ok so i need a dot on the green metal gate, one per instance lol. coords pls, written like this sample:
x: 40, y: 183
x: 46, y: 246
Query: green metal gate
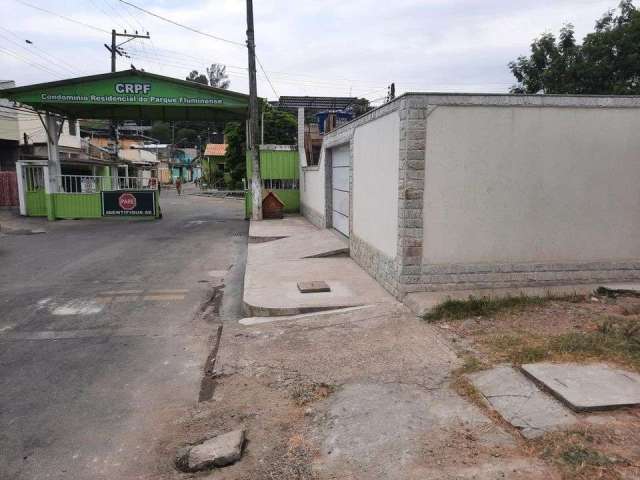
x: 35, y: 196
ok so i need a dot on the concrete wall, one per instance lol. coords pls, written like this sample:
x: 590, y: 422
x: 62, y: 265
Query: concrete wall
x: 513, y: 191
x: 312, y: 192
x: 456, y: 191
x: 375, y: 183
x: 519, y: 184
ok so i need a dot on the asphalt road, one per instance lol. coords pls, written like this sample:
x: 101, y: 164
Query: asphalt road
x: 102, y: 337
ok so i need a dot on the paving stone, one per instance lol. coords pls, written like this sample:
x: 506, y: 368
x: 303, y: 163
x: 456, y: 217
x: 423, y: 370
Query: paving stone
x: 520, y: 402
x: 313, y: 287
x: 587, y: 387
x: 218, y: 451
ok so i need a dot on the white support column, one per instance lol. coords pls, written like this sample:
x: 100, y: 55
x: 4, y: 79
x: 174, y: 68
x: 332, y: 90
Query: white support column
x: 53, y: 133
x: 114, y: 176
x: 46, y: 173
x: 301, y: 150
x: 20, y: 178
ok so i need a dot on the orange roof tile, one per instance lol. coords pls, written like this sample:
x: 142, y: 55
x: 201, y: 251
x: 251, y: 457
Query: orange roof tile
x: 215, y: 150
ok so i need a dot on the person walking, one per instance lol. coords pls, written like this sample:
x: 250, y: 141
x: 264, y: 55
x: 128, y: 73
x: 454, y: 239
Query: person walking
x: 179, y: 185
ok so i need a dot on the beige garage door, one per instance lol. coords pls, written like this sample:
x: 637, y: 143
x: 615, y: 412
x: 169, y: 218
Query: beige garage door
x: 340, y: 164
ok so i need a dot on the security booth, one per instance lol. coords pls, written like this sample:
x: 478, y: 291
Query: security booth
x: 127, y: 95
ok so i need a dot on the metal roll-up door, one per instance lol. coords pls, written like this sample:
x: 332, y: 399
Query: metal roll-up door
x: 340, y: 195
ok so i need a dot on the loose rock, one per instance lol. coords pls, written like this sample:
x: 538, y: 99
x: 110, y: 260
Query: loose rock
x: 218, y: 451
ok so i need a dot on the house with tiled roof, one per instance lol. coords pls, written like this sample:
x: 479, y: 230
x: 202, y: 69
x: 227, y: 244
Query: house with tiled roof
x: 214, y: 155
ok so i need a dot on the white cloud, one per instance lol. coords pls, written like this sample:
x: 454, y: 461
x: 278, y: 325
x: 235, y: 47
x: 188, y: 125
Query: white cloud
x: 336, y: 48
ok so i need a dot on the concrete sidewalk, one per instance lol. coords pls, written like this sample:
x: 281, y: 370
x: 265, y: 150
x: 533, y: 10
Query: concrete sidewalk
x: 12, y: 223
x: 284, y: 252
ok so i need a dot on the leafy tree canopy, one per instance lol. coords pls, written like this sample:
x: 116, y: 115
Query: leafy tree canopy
x: 280, y: 128
x: 607, y: 62
x: 161, y: 132
x: 218, y: 77
x: 197, y: 77
x: 235, y: 156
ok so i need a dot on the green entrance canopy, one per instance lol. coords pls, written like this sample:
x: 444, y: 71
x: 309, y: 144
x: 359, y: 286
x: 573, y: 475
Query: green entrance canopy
x: 132, y: 95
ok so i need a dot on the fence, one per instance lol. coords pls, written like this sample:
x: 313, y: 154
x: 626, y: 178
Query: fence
x: 8, y: 189
x: 95, y: 184
x: 75, y: 196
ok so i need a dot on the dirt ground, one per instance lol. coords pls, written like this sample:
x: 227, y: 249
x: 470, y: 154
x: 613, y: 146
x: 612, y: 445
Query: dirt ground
x: 377, y: 394
x: 603, y: 445
x: 358, y: 395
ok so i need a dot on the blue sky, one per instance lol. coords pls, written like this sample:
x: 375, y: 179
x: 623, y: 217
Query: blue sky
x: 333, y: 47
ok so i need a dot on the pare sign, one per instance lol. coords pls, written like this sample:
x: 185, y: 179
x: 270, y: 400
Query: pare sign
x: 136, y: 88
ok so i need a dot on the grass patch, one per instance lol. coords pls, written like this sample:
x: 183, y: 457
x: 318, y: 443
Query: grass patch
x: 471, y: 364
x: 304, y: 393
x: 578, y: 456
x: 615, y: 338
x: 486, y: 306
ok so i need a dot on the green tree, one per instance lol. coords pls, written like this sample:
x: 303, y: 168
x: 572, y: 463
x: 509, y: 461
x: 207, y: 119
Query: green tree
x: 361, y: 106
x: 197, y: 77
x: 280, y: 128
x: 607, y: 62
x: 186, y: 136
x: 236, y: 153
x: 161, y: 131
x: 218, y: 77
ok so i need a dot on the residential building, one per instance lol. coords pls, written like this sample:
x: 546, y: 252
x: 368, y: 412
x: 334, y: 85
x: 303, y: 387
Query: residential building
x: 214, y: 156
x: 9, y: 132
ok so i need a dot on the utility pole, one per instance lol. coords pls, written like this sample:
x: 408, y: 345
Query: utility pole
x: 115, y: 49
x: 256, y: 179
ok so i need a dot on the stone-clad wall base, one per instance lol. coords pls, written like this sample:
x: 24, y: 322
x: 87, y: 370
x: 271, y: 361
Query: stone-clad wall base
x: 384, y: 269
x: 433, y: 278
x: 314, y: 217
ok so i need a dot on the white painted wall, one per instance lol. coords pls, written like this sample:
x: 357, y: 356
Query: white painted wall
x: 376, y: 151
x: 8, y: 116
x: 528, y: 184
x: 312, y: 184
x: 30, y: 124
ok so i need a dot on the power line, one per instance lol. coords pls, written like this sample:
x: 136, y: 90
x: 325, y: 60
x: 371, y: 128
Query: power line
x: 35, y: 65
x: 267, y: 77
x: 92, y: 27
x: 45, y: 56
x: 168, y: 20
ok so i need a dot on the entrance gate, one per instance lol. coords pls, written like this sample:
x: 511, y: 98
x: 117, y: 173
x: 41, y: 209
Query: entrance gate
x: 34, y: 185
x: 124, y: 95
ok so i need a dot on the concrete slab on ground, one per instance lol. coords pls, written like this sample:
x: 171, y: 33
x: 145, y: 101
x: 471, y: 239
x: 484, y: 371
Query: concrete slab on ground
x: 422, y: 303
x: 379, y: 430
x: 587, y: 387
x: 285, y: 227
x: 520, y: 402
x: 274, y: 269
x: 317, y: 244
x: 272, y: 289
